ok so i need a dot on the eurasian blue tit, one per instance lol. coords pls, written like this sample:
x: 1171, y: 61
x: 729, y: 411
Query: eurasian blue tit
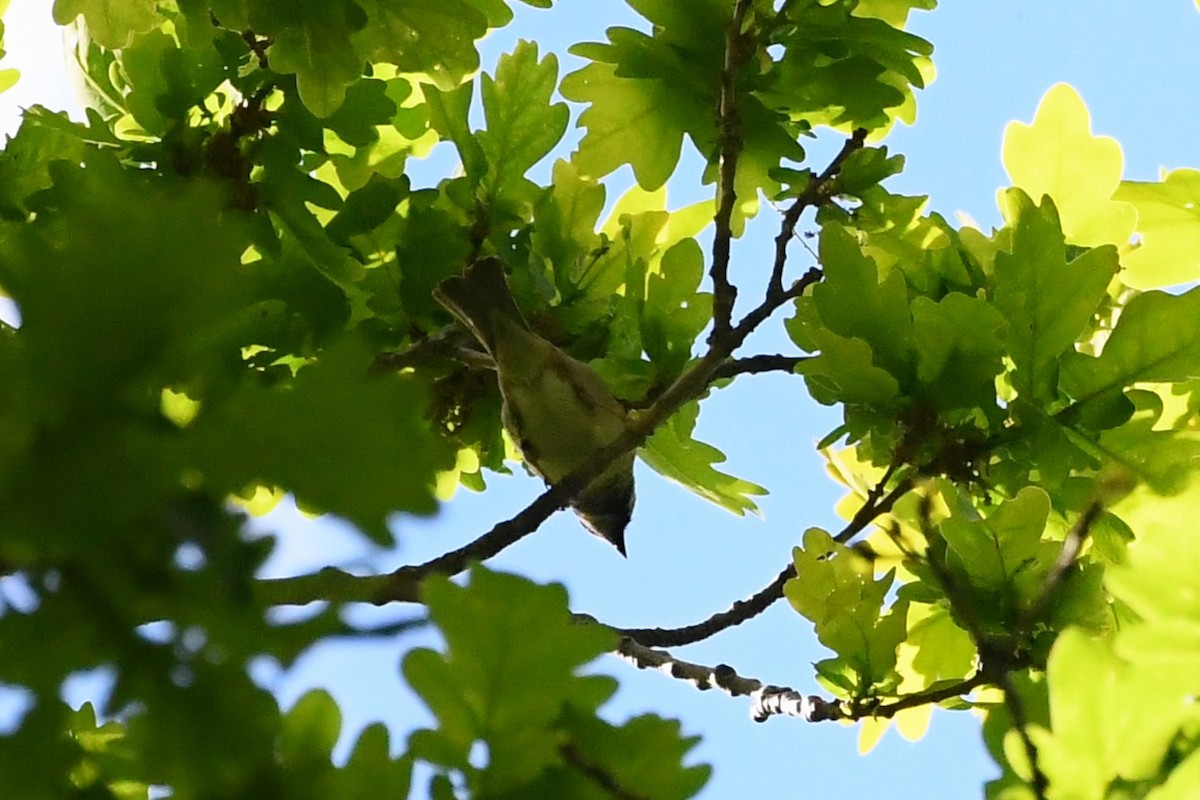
x: 556, y: 408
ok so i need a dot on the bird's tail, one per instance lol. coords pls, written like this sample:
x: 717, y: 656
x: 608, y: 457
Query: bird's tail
x: 478, y: 297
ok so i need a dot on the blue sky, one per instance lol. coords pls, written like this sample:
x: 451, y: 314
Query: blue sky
x: 1137, y: 71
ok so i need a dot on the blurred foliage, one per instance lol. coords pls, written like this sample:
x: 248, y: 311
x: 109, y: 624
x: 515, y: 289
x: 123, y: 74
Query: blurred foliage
x: 223, y: 278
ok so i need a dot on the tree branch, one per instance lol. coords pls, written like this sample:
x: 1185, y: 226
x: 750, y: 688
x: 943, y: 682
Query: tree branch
x: 403, y: 585
x: 769, y: 700
x: 1016, y: 710
x: 877, y: 503
x: 1071, y: 546
x: 889, y: 710
x: 815, y: 193
x: 729, y: 133
x: 754, y: 365
x: 996, y: 660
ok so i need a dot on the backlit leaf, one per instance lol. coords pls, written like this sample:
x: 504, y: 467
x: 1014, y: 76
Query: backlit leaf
x: 1058, y: 156
x: 1047, y: 300
x: 1168, y: 222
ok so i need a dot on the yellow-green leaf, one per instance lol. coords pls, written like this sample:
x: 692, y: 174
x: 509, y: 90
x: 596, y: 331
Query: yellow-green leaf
x: 1058, y: 155
x: 1168, y: 223
x: 111, y: 23
x: 673, y: 452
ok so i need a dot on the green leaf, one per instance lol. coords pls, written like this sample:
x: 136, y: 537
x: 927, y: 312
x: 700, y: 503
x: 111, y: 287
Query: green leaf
x: 898, y: 235
x: 565, y: 220
x: 644, y: 755
x: 843, y: 372
x: 449, y: 113
x: 105, y: 756
x: 893, y: 12
x: 498, y: 13
x: 1165, y: 460
x: 442, y: 690
x: 1157, y: 338
x: 1168, y: 222
x: 1182, y: 781
x: 1004, y: 550
x: 371, y: 766
x: 366, y: 107
x: 1161, y: 582
x: 935, y: 648
x: 431, y: 245
x: 1121, y: 705
x: 1113, y: 718
x: 835, y: 590
x: 376, y: 452
x: 866, y: 167
x: 635, y: 122
x: 92, y: 260
x: 291, y: 195
x: 367, y: 207
x: 43, y: 138
x: 435, y: 38
x: 312, y: 40
x: 166, y: 80
x: 310, y: 729
x: 845, y: 69
x: 1047, y: 300
x: 852, y: 302
x: 768, y: 139
x: 673, y: 453
x: 959, y: 350
x: 8, y: 77
x: 646, y: 92
x: 510, y: 668
x: 112, y: 23
x: 674, y: 313
x: 309, y: 733
x: 522, y: 124
x: 1058, y: 156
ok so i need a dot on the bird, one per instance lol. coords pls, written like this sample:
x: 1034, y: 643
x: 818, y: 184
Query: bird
x: 557, y: 409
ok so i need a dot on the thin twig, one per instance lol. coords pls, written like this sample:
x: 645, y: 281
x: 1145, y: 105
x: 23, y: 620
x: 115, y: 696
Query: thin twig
x: 742, y: 610
x: 754, y: 365
x: 966, y: 686
x: 1016, y: 710
x: 603, y: 779
x: 1071, y: 546
x: 874, y: 505
x: 814, y: 194
x: 996, y: 662
x: 773, y: 301
x: 448, y: 344
x: 403, y: 585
